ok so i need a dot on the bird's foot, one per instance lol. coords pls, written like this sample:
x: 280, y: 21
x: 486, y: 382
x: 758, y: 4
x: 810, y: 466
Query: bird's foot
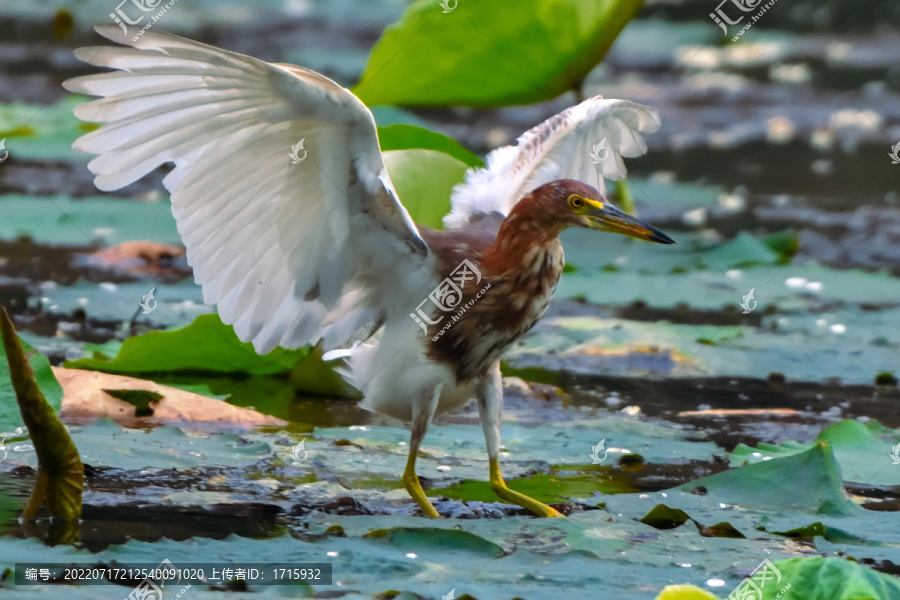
x: 538, y: 508
x: 504, y: 493
x: 412, y: 485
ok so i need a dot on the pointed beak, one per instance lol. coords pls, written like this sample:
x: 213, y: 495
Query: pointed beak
x: 609, y: 218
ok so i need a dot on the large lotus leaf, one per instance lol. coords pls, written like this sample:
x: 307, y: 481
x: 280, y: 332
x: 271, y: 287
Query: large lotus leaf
x: 206, y: 345
x: 803, y: 579
x: 423, y: 179
x: 488, y: 53
x: 808, y: 481
x: 207, y: 357
x: 864, y: 459
x: 84, y: 221
x: 402, y: 136
x: 829, y: 579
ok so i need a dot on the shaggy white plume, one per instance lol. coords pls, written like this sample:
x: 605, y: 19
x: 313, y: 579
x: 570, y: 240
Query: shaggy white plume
x: 562, y: 147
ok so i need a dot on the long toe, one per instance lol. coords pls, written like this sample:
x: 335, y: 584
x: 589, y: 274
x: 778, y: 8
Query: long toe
x: 412, y: 485
x: 538, y: 508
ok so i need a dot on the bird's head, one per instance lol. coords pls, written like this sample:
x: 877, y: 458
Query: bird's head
x: 568, y: 203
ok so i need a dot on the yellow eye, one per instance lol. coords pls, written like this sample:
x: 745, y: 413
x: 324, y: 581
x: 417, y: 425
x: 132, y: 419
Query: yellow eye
x: 576, y: 201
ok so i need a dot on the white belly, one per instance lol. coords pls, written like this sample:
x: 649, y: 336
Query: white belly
x: 395, y: 375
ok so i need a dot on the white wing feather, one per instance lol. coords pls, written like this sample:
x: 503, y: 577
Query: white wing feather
x: 290, y: 253
x: 558, y: 148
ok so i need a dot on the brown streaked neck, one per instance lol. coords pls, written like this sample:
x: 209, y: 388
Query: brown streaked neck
x: 522, y: 233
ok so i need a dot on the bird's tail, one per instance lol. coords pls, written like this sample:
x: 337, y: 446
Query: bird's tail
x: 359, y: 362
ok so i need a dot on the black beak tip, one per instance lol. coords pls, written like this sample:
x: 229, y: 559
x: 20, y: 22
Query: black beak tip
x: 660, y: 238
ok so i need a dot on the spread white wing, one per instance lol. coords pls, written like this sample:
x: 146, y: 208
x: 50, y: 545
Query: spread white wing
x: 562, y: 147
x: 289, y: 252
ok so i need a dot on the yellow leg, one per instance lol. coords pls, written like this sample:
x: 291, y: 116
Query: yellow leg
x: 499, y: 487
x: 490, y: 404
x: 422, y: 414
x: 412, y: 485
